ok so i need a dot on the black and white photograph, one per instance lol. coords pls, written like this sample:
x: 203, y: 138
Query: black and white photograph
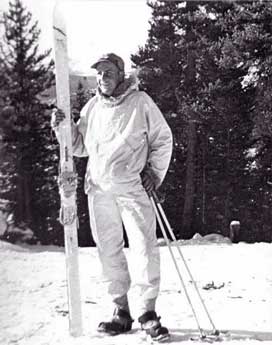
x: 135, y: 172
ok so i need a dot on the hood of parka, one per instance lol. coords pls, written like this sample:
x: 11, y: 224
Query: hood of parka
x: 124, y: 89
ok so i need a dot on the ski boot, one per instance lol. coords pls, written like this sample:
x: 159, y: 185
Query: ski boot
x: 121, y: 322
x: 150, y: 323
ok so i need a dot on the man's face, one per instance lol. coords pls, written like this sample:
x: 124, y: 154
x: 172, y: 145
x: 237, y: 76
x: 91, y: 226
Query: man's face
x: 108, y: 77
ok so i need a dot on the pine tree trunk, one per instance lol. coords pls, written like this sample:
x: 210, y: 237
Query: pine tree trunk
x: 186, y: 230
x: 19, y: 206
x: 27, y: 199
x: 203, y: 215
x: 228, y: 191
x: 23, y: 212
x: 190, y: 79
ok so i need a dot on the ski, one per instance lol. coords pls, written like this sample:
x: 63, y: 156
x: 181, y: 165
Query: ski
x: 142, y: 337
x: 164, y: 338
x: 67, y: 177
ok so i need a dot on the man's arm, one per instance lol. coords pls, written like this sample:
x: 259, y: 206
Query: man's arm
x: 160, y: 141
x: 78, y: 129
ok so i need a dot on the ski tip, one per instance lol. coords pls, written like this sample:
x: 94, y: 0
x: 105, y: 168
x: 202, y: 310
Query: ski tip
x: 59, y: 26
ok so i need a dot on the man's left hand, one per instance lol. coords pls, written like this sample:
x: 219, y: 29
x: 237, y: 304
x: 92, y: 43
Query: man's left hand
x: 149, y: 181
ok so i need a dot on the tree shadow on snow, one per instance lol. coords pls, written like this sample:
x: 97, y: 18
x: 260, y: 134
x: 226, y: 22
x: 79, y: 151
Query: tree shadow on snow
x: 178, y: 335
x: 27, y: 248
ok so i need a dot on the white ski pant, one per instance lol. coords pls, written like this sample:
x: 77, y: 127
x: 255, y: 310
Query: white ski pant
x: 134, y: 209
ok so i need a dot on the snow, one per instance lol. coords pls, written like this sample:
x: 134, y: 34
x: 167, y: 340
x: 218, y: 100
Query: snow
x: 235, y: 281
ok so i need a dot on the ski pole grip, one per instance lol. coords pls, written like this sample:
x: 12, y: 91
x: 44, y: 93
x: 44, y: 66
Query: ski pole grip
x: 155, y: 196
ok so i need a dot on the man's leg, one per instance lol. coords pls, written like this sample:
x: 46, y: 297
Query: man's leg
x: 140, y: 223
x: 107, y: 232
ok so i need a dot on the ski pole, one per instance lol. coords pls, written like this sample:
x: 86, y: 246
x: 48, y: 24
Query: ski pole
x: 162, y: 213
x: 176, y: 265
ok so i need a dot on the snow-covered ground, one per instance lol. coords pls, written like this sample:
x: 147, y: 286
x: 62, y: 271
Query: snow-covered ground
x: 235, y: 281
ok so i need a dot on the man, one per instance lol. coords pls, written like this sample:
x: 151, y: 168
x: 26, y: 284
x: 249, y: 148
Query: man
x: 129, y: 146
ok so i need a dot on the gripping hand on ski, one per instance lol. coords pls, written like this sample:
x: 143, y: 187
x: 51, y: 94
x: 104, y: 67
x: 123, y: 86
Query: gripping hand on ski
x: 57, y: 117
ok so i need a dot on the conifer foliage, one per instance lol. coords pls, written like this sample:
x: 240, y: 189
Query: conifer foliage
x: 208, y: 64
x: 28, y: 157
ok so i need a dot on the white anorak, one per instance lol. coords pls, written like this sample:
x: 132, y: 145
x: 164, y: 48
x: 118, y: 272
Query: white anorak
x: 122, y: 136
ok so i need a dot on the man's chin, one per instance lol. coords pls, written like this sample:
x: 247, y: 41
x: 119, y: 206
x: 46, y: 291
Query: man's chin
x: 106, y: 92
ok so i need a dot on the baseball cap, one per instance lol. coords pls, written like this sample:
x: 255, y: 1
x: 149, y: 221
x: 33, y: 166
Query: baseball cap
x: 111, y: 57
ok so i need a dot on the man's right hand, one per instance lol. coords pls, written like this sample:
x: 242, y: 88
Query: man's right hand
x: 57, y: 117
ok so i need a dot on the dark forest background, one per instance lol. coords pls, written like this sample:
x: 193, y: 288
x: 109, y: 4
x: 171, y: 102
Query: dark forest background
x: 208, y: 66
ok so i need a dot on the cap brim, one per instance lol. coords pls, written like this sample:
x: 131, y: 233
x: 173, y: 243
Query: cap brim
x: 98, y: 62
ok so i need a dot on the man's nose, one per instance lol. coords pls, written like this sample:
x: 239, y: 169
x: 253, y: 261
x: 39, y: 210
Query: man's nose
x: 103, y: 75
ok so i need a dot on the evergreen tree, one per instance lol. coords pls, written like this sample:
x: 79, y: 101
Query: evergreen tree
x: 28, y: 168
x: 214, y: 46
x: 257, y: 45
x: 160, y: 62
